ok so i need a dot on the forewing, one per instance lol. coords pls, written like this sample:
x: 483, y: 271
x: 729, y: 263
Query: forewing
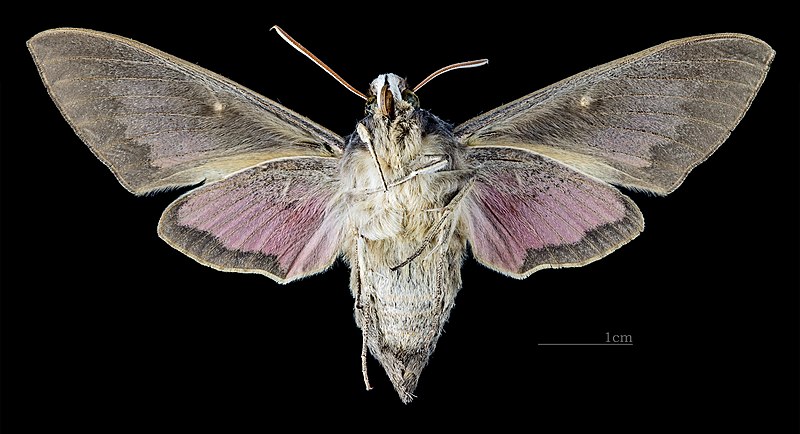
x: 526, y: 212
x: 643, y: 121
x: 157, y: 121
x: 274, y: 219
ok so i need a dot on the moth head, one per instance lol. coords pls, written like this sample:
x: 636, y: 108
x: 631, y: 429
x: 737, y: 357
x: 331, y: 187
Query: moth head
x: 390, y: 97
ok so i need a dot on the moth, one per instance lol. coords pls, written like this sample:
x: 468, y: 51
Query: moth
x: 530, y: 185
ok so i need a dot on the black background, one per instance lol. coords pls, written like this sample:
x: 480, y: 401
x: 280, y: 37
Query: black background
x: 105, y: 326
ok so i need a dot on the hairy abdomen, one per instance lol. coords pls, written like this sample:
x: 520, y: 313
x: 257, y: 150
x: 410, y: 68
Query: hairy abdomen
x: 401, y: 311
x: 410, y: 302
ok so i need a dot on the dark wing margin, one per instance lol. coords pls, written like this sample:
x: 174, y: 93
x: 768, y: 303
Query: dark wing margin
x: 160, y: 122
x: 643, y: 121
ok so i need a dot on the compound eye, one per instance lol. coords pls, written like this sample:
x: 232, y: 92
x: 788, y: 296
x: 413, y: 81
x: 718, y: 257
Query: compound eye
x: 369, y: 107
x: 411, y: 98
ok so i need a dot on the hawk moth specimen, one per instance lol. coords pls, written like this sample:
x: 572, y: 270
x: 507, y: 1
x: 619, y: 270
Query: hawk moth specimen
x: 527, y: 186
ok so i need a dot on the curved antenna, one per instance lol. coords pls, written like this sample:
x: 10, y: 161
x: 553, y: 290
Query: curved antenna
x: 316, y: 60
x: 440, y: 71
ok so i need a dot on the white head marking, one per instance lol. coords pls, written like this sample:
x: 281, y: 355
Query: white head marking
x: 394, y: 84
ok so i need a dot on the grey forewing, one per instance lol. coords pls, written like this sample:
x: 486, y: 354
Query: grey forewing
x: 643, y: 121
x: 157, y: 121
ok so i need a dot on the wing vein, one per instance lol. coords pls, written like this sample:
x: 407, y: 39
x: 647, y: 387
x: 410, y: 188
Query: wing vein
x: 589, y: 227
x: 62, y: 59
x: 563, y: 243
x: 605, y: 206
x: 249, y: 201
x: 677, y: 115
x: 60, y: 81
x: 695, y: 79
x: 76, y: 101
x: 155, y: 133
x: 654, y: 95
x: 711, y: 60
x: 508, y: 234
x: 134, y: 114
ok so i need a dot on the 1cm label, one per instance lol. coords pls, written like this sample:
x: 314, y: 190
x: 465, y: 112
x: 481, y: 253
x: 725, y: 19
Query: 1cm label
x: 618, y: 339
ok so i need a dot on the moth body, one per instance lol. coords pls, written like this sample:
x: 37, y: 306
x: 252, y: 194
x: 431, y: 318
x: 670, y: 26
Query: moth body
x: 400, y: 172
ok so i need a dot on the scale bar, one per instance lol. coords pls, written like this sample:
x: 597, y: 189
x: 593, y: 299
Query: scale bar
x: 580, y: 344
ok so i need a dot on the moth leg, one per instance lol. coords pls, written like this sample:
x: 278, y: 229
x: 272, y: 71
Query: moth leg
x: 430, y: 168
x: 447, y: 210
x: 364, y: 361
x: 363, y: 133
x: 358, y: 306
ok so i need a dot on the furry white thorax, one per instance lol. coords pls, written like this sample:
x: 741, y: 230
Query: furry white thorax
x: 381, y: 214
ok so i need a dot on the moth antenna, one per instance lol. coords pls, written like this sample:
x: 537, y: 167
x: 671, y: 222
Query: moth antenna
x: 440, y: 71
x: 316, y: 60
